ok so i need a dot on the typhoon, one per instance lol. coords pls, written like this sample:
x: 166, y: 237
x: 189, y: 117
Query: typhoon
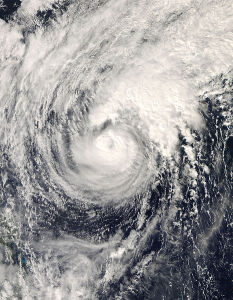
x: 116, y: 150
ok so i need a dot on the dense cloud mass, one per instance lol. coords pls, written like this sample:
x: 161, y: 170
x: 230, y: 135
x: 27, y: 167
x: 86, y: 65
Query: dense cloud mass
x: 116, y: 149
